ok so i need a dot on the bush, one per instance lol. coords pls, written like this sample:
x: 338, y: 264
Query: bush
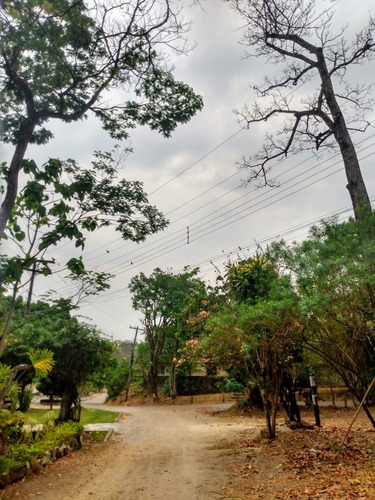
x: 231, y: 385
x: 19, y: 447
x: 6, y: 464
x: 24, y: 399
x: 117, y: 378
x: 11, y: 428
x: 166, y: 390
x: 18, y: 455
x: 137, y: 385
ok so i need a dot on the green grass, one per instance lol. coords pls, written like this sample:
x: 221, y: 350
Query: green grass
x: 98, y: 436
x: 88, y: 416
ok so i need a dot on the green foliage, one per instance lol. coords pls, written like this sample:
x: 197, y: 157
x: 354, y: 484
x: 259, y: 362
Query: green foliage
x: 117, y: 378
x: 58, y: 60
x: 232, y: 385
x: 24, y: 399
x: 250, y: 279
x: 166, y: 390
x: 161, y: 298
x: 57, y: 208
x: 4, y: 373
x: 42, y: 361
x: 18, y: 455
x: 79, y: 351
x: 138, y: 382
x: 68, y: 55
x: 332, y: 271
x: 10, y: 423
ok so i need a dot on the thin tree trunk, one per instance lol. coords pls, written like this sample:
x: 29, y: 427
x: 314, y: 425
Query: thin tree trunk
x: 6, y: 328
x: 153, y: 381
x: 70, y: 408
x: 173, y: 382
x: 268, y: 414
x: 26, y: 133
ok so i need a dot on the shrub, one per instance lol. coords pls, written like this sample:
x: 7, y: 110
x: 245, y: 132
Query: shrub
x: 117, y: 379
x: 17, y: 455
x: 24, y: 399
x: 11, y: 428
x: 166, y: 390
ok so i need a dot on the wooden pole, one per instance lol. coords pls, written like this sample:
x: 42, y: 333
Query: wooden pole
x: 355, y: 416
x: 131, y: 362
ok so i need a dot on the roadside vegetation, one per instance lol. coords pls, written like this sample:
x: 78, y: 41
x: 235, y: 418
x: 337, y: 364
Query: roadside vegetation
x: 273, y: 319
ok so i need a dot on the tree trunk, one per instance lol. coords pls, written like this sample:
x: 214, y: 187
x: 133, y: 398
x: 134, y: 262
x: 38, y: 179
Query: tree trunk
x: 153, y: 382
x: 26, y: 132
x: 70, y: 408
x: 288, y: 399
x: 270, y: 420
x: 356, y: 185
x: 173, y: 381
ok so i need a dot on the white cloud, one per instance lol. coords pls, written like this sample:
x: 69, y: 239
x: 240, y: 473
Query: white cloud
x: 217, y: 222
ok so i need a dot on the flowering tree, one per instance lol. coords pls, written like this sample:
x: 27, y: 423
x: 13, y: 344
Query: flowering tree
x: 161, y: 298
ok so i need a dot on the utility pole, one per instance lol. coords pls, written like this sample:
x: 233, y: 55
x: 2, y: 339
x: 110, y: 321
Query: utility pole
x: 136, y: 328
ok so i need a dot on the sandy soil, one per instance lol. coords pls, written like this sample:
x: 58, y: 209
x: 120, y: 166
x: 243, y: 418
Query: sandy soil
x: 164, y: 453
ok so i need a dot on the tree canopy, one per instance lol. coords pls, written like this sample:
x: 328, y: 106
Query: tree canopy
x: 161, y: 298
x: 59, y: 59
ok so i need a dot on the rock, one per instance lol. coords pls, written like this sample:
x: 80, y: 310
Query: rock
x: 4, y: 480
x: 35, y: 466
x: 16, y: 474
x: 63, y: 450
x: 28, y: 470
x: 46, y: 459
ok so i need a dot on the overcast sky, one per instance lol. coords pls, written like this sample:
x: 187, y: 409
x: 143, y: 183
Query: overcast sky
x: 193, y: 178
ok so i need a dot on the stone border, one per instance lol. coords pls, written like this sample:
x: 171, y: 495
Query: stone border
x: 48, y: 457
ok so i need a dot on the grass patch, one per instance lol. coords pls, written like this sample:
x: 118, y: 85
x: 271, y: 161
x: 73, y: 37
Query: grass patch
x: 88, y: 416
x: 96, y: 416
x: 97, y: 436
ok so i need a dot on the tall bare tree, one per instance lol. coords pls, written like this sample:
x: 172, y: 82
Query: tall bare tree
x: 297, y: 35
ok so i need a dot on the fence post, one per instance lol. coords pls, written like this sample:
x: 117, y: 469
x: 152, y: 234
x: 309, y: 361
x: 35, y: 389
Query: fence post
x: 314, y: 397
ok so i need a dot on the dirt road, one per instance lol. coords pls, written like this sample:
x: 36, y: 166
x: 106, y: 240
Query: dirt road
x: 177, y: 452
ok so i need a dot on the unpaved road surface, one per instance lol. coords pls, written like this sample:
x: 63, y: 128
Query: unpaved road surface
x: 178, y: 452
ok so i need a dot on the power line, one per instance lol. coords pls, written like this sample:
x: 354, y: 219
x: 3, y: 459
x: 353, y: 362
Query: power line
x: 172, y: 246
x: 245, y: 247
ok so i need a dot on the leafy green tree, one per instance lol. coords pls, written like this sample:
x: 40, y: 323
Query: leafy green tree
x: 63, y: 201
x: 301, y: 42
x: 61, y: 60
x: 161, y: 298
x: 335, y: 285
x: 255, y: 336
x: 192, y: 331
x: 249, y: 280
x: 79, y: 351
